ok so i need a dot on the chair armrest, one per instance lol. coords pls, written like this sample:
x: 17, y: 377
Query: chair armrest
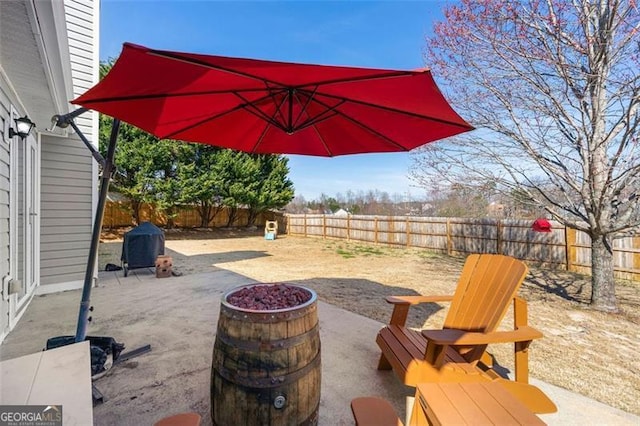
x: 450, y: 337
x: 414, y: 300
x: 401, y: 305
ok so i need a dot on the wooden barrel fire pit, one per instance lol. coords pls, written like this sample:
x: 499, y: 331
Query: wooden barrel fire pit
x: 266, y: 357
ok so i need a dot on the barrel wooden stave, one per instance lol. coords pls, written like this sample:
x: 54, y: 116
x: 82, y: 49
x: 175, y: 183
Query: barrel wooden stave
x: 252, y: 353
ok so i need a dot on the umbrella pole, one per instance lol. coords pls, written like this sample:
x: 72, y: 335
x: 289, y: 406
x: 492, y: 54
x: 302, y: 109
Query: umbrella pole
x: 108, y: 168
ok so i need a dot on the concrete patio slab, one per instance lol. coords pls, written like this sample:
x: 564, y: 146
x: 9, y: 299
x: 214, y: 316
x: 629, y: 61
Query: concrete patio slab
x: 38, y: 378
x: 177, y: 317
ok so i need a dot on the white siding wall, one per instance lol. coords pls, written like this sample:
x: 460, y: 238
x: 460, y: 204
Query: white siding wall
x: 69, y: 173
x: 4, y: 206
x: 66, y: 203
x: 82, y: 28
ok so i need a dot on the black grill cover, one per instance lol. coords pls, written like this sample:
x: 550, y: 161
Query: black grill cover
x: 142, y: 245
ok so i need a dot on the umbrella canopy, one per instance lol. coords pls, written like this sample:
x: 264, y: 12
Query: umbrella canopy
x: 262, y: 106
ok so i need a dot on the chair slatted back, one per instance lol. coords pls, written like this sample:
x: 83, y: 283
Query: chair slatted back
x: 488, y: 283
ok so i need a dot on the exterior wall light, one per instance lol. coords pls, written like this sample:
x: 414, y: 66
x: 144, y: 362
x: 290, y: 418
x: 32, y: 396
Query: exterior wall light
x: 23, y: 126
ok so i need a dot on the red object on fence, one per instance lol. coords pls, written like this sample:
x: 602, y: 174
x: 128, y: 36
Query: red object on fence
x: 541, y: 225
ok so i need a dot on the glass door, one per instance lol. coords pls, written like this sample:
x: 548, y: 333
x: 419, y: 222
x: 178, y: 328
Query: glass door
x: 26, y: 189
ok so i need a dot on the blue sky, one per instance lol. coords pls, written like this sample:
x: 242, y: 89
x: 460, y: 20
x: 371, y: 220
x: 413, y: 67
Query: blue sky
x: 387, y: 34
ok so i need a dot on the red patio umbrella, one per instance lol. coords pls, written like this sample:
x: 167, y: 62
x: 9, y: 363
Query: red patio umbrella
x: 260, y: 107
x: 273, y: 107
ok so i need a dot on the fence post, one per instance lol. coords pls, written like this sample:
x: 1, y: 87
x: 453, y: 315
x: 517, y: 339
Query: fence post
x: 348, y: 227
x: 499, y: 237
x: 408, y: 233
x: 324, y: 226
x: 636, y: 258
x: 635, y: 243
x: 391, y: 231
x: 375, y: 230
x: 305, y: 224
x: 449, y: 240
x: 570, y: 248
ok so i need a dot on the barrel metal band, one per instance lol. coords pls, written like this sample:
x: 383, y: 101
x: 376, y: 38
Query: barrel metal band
x: 267, y: 382
x: 267, y: 316
x: 312, y: 420
x: 269, y: 345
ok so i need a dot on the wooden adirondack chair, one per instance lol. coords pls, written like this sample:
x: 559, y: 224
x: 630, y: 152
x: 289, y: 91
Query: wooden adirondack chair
x: 457, y: 353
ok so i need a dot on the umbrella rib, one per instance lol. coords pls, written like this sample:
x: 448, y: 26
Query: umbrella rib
x: 304, y: 107
x: 214, y: 92
x: 229, y: 111
x: 310, y: 121
x: 383, y: 75
x: 394, y: 110
x: 327, y: 113
x: 326, y: 147
x: 316, y: 120
x: 367, y: 128
x: 191, y: 126
x: 178, y: 57
x: 260, y: 139
x: 251, y: 108
x: 193, y: 61
x: 169, y: 95
x: 278, y: 106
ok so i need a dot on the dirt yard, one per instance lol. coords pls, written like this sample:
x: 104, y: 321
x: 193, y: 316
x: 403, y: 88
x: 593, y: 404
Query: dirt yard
x: 592, y: 353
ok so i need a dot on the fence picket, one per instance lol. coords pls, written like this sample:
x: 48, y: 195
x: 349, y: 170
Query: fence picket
x: 118, y: 214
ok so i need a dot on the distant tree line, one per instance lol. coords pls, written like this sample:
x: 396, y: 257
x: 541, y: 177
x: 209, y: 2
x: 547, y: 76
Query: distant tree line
x: 438, y: 201
x: 361, y: 202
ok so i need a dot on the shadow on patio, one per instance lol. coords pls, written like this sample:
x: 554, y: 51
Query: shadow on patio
x: 177, y: 316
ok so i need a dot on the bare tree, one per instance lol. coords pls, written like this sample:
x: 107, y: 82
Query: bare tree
x: 553, y: 87
x: 297, y: 205
x: 459, y: 200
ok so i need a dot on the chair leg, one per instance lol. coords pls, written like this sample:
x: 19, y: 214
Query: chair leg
x: 384, y: 364
x: 522, y: 362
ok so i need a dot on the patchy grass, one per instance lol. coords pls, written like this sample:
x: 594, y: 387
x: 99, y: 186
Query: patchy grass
x: 351, y: 250
x: 346, y: 254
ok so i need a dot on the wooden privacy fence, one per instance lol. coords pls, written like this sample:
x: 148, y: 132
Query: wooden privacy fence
x: 562, y: 247
x: 118, y: 214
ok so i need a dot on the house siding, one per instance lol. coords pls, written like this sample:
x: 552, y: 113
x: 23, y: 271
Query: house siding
x: 66, y: 208
x: 69, y: 173
x: 4, y: 207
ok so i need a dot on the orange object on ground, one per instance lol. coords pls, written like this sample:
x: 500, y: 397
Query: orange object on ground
x: 371, y: 410
x: 164, y: 265
x: 182, y: 419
